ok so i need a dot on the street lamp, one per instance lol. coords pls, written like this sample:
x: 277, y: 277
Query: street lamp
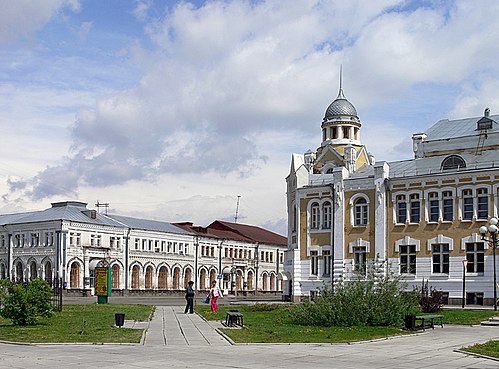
x: 492, y: 233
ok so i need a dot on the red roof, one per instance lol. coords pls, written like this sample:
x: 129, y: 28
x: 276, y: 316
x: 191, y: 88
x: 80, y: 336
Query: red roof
x: 236, y: 231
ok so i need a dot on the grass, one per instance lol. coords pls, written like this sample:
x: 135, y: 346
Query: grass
x: 273, y: 324
x: 467, y: 317
x: 80, y: 323
x: 490, y: 348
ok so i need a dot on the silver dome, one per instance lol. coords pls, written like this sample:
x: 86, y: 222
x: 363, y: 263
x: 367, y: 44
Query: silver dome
x: 340, y: 106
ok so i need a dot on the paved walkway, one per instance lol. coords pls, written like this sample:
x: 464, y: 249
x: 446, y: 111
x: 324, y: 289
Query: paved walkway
x: 176, y: 340
x: 171, y: 327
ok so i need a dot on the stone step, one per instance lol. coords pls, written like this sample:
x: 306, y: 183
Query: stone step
x: 494, y: 319
x: 490, y: 322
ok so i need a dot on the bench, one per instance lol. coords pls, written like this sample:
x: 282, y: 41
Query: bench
x: 234, y: 318
x: 429, y: 321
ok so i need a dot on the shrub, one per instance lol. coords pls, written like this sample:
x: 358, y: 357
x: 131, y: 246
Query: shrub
x: 377, y: 299
x: 25, y: 303
x: 431, y: 300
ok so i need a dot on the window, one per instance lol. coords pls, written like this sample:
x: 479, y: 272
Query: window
x: 49, y: 239
x: 137, y: 243
x: 360, y: 259
x: 467, y: 205
x: 474, y: 298
x: 116, y: 276
x: 482, y: 203
x: 401, y: 209
x: 95, y: 240
x: 453, y: 162
x: 326, y: 209
x: 74, y: 275
x: 448, y: 202
x: 415, y: 208
x: 440, y: 258
x: 475, y: 257
x: 314, y: 265
x: 407, y: 259
x: 114, y: 242
x: 169, y: 249
x: 144, y: 245
x: 361, y: 211
x: 434, y: 207
x: 315, y: 218
x: 326, y: 258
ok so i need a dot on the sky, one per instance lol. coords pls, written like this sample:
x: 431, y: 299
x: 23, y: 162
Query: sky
x: 190, y: 110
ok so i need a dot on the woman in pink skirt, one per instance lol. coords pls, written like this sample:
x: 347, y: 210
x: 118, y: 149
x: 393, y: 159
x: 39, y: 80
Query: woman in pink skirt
x: 215, y: 293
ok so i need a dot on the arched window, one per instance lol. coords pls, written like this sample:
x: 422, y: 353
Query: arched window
x: 314, y: 216
x: 213, y: 275
x: 264, y: 282
x: 361, y: 210
x: 32, y: 271
x: 3, y: 272
x: 74, y: 275
x: 272, y: 282
x: 202, y: 279
x: 250, y: 280
x: 326, y: 211
x: 136, y: 277
x: 163, y: 278
x: 19, y: 272
x: 149, y: 275
x: 116, y: 276
x: 176, y: 278
x: 48, y: 272
x: 187, y: 276
x: 453, y: 162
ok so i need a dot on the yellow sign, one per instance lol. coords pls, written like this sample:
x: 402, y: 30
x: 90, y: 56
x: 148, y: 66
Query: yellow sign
x: 101, y: 281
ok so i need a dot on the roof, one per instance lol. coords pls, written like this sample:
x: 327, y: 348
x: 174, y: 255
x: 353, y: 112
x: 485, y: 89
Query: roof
x: 237, y: 232
x: 445, y: 128
x: 340, y: 106
x: 70, y: 211
x: 148, y: 225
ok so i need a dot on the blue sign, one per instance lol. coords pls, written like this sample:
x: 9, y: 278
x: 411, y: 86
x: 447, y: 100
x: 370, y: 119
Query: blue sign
x: 219, y: 276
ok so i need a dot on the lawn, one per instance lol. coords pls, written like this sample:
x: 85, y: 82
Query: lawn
x: 490, y: 348
x: 273, y: 324
x: 466, y: 316
x: 80, y: 323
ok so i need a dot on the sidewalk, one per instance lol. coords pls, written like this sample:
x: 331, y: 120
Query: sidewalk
x: 171, y: 327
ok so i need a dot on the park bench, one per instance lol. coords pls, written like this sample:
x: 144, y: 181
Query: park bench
x: 234, y: 318
x: 428, y: 321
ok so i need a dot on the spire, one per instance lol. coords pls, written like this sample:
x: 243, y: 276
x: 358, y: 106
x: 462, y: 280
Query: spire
x: 340, y: 92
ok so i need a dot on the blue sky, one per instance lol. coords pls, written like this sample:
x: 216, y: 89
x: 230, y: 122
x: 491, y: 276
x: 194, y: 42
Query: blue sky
x: 170, y: 110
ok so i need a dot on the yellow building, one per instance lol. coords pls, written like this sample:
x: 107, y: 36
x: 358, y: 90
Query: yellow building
x: 420, y: 217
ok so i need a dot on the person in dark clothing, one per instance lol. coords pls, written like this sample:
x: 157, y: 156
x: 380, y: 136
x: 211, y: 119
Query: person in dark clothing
x: 189, y: 297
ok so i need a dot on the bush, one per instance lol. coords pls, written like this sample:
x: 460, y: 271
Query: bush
x: 25, y: 303
x: 378, y: 299
x: 431, y: 300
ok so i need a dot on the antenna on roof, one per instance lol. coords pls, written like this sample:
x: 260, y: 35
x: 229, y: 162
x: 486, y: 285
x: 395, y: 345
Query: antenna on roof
x: 237, y: 208
x: 340, y: 92
x: 99, y: 205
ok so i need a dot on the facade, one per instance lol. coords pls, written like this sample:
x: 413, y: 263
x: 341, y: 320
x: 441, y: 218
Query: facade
x: 69, y: 241
x: 419, y: 217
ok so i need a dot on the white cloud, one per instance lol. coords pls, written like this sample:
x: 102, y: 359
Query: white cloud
x: 21, y: 18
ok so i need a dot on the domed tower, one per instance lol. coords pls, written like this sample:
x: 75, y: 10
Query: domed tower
x: 341, y: 124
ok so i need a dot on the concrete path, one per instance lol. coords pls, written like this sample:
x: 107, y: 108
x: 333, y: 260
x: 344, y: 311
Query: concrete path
x: 171, y: 327
x: 176, y: 340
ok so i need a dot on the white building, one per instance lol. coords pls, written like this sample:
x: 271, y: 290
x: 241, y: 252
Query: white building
x: 420, y: 216
x: 68, y: 241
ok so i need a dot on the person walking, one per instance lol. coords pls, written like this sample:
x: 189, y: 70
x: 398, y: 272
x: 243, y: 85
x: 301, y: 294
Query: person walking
x: 189, y: 297
x: 215, y: 293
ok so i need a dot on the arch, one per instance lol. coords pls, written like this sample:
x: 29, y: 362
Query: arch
x: 272, y: 282
x: 33, y: 272
x: 265, y: 284
x: 239, y: 280
x: 47, y: 269
x: 163, y: 278
x: 115, y: 276
x: 249, y: 280
x: 176, y: 278
x: 453, y: 162
x: 213, y: 275
x: 149, y: 277
x: 74, y: 275
x: 202, y: 278
x: 136, y: 276
x: 19, y: 272
x: 187, y: 276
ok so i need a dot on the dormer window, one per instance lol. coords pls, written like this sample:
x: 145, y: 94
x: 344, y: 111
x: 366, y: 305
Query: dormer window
x: 453, y: 162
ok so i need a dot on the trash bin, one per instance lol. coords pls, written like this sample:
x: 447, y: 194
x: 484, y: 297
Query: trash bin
x: 119, y: 319
x: 410, y: 322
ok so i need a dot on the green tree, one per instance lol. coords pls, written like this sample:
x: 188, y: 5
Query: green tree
x: 25, y: 303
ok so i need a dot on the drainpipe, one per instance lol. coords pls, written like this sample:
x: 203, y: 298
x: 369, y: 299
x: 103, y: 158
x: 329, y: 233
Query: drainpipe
x: 331, y: 186
x: 9, y: 256
x: 196, y: 263
x: 127, y: 252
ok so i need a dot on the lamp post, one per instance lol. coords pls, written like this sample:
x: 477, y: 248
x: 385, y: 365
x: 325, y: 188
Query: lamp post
x: 465, y: 264
x: 492, y: 234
